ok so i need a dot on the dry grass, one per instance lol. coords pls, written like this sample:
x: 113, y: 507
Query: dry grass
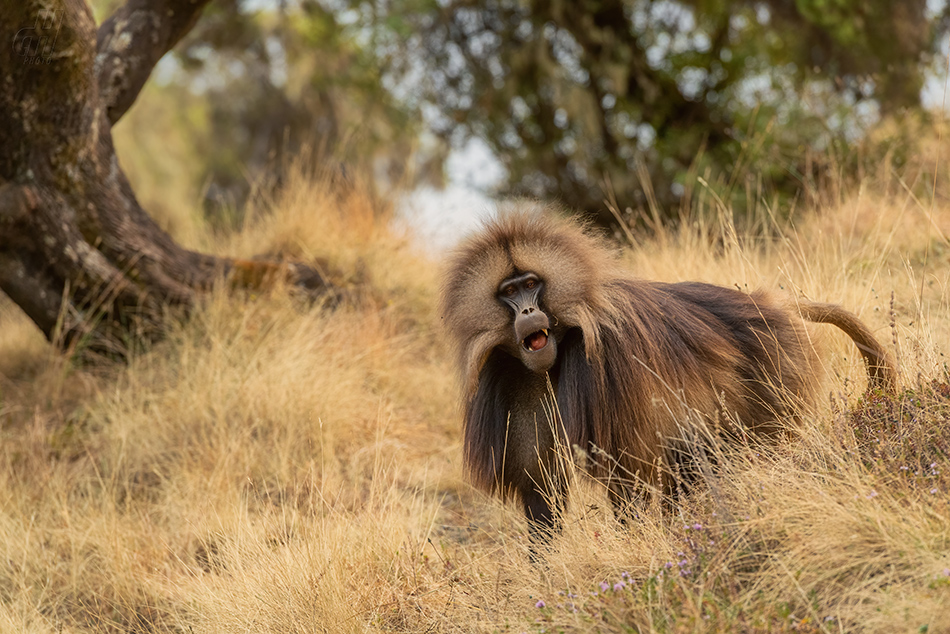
x: 278, y: 467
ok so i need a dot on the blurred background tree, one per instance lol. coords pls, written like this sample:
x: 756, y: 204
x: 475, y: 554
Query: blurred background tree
x: 646, y: 103
x: 257, y: 84
x: 632, y: 99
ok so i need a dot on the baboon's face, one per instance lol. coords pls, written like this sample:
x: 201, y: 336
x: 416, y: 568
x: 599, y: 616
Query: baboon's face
x: 531, y: 337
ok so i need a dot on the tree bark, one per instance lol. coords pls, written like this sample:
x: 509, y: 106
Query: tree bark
x: 77, y: 252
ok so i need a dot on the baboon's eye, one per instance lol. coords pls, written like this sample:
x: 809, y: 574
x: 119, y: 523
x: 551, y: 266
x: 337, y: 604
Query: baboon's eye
x: 509, y: 291
x: 529, y: 284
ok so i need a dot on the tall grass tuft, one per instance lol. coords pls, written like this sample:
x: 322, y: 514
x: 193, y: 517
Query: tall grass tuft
x: 277, y: 466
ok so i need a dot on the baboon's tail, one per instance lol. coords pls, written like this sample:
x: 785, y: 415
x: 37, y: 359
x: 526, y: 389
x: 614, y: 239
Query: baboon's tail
x: 882, y: 371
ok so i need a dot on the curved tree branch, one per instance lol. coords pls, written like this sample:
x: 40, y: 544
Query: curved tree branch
x: 131, y: 42
x: 77, y: 251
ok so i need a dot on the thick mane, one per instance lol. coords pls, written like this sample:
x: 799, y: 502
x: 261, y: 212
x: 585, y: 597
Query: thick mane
x: 520, y: 239
x: 672, y: 354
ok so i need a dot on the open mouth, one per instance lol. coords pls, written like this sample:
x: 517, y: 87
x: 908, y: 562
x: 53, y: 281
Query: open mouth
x: 536, y: 340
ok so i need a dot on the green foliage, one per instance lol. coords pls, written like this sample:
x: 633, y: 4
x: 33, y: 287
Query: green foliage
x: 635, y: 99
x: 643, y: 103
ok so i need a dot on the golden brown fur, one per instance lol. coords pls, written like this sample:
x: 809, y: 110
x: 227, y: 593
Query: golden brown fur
x: 636, y: 361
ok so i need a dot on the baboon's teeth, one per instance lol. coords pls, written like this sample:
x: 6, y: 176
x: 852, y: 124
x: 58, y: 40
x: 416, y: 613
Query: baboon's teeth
x: 536, y: 340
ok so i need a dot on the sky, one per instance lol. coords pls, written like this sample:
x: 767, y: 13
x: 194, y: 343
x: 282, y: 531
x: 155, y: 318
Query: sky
x: 440, y: 218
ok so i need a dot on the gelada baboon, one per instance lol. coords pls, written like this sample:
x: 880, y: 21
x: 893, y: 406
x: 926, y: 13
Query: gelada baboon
x: 548, y: 328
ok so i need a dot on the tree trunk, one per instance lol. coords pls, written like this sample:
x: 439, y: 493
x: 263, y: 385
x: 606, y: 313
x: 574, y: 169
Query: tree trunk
x: 77, y: 252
